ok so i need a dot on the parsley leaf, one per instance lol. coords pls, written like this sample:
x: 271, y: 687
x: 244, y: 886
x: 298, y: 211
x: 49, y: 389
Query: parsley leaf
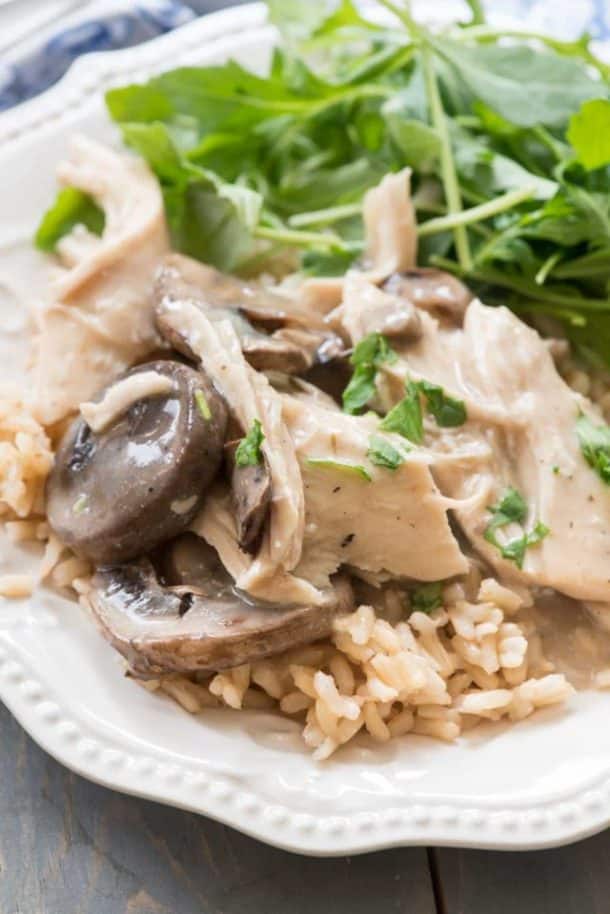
x: 512, y: 508
x: 382, y: 453
x: 406, y: 417
x: 248, y: 452
x: 340, y: 465
x: 589, y: 133
x: 369, y: 354
x: 515, y: 549
x: 72, y: 207
x: 447, y: 411
x: 427, y: 597
x: 595, y: 446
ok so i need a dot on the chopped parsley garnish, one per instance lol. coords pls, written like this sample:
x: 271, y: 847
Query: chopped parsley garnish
x: 248, y: 452
x: 341, y: 466
x: 406, y: 417
x: 203, y: 405
x: 80, y: 504
x: 382, y: 453
x: 514, y: 550
x: 71, y: 207
x: 512, y: 509
x: 594, y: 443
x: 556, y: 470
x: 447, y: 411
x: 370, y: 353
x: 428, y: 597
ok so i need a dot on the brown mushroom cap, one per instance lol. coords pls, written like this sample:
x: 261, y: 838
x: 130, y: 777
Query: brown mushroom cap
x: 117, y: 494
x: 163, y: 629
x: 431, y: 290
x: 297, y: 334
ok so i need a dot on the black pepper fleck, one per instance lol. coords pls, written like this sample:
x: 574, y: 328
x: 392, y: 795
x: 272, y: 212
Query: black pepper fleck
x: 336, y: 489
x: 347, y: 540
x: 186, y: 601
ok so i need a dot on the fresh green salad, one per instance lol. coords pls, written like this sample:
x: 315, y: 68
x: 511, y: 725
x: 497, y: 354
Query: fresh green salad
x: 507, y: 133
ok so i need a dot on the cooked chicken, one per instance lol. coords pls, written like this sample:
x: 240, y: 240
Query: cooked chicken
x: 101, y: 319
x: 389, y: 223
x: 525, y: 416
x: 394, y: 521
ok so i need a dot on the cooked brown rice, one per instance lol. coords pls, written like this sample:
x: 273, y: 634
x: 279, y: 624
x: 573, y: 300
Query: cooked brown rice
x: 477, y: 658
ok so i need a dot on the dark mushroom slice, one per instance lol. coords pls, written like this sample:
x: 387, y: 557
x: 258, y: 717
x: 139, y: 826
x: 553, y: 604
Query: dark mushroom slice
x: 297, y: 333
x: 431, y: 290
x: 251, y: 497
x: 163, y: 629
x: 118, y: 493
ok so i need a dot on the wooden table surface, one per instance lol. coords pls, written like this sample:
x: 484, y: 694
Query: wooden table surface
x: 71, y: 847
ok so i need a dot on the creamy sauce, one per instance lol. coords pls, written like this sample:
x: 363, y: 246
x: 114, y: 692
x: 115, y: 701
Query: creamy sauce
x: 123, y: 394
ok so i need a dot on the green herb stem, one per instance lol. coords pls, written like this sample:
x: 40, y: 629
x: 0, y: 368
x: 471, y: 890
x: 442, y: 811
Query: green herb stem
x: 450, y: 181
x: 326, y: 216
x: 547, y: 268
x: 476, y: 213
x: 293, y: 237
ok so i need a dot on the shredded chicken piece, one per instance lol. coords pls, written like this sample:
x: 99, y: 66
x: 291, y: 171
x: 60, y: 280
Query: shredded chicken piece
x: 101, y: 318
x: 389, y: 223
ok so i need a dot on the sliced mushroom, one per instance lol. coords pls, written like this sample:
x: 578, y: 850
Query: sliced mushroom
x: 297, y: 334
x: 432, y: 290
x: 251, y: 496
x: 163, y: 629
x: 119, y: 493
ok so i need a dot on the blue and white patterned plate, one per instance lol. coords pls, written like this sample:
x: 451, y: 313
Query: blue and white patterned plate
x: 129, y: 24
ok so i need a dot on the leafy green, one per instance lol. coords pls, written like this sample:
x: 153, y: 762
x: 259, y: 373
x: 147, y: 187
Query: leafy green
x: 71, y: 207
x: 427, y: 597
x: 341, y: 466
x: 498, y: 74
x: 383, y: 453
x: 447, y: 411
x: 515, y: 549
x: 406, y: 418
x: 507, y: 140
x: 594, y: 443
x: 589, y: 133
x: 202, y: 405
x: 512, y: 509
x: 248, y: 451
x: 368, y: 356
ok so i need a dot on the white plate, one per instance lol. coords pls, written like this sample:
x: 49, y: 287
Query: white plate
x: 542, y: 782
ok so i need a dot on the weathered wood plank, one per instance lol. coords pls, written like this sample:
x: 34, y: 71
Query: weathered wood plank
x: 567, y: 880
x: 71, y: 847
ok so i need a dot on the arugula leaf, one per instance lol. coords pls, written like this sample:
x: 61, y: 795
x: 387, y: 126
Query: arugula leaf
x: 589, y: 133
x: 340, y: 466
x: 419, y: 144
x: 427, y: 597
x: 71, y: 207
x: 382, y: 453
x: 447, y: 411
x: 248, y: 451
x: 497, y: 75
x: 406, y: 417
x: 594, y: 443
x: 368, y: 356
